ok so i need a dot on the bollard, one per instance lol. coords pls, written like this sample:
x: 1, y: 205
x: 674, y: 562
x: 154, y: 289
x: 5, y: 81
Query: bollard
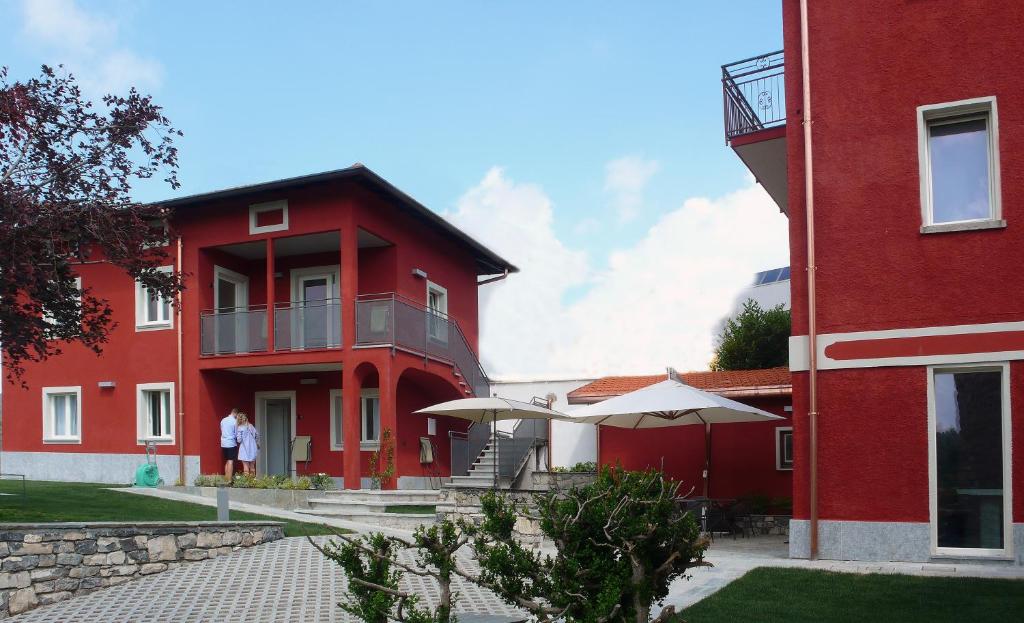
x: 222, y: 502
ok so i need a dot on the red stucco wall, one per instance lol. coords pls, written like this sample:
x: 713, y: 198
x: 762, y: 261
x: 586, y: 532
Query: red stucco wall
x: 742, y: 455
x: 875, y: 270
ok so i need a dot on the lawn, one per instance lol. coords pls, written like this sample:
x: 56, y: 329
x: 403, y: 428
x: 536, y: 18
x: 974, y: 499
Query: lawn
x: 72, y: 501
x: 411, y: 509
x: 796, y: 595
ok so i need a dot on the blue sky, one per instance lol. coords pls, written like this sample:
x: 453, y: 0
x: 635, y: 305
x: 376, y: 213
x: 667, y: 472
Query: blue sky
x: 612, y: 111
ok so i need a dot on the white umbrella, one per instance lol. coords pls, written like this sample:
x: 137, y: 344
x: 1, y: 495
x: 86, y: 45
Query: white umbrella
x: 671, y: 403
x: 481, y: 410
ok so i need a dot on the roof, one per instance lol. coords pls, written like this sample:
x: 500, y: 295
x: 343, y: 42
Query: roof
x: 730, y: 383
x: 488, y: 262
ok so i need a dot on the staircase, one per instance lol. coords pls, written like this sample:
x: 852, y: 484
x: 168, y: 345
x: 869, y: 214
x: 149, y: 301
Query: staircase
x: 402, y: 509
x: 481, y: 472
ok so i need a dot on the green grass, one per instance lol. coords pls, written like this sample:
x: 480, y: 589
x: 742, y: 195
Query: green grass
x: 73, y: 501
x: 797, y: 595
x: 411, y: 509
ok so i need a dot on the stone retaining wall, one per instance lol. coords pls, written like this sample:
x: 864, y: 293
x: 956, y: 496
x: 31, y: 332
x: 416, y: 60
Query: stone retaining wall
x: 770, y: 524
x: 42, y: 564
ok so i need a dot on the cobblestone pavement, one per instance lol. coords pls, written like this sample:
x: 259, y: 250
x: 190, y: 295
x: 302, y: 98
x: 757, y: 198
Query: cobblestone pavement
x: 287, y: 580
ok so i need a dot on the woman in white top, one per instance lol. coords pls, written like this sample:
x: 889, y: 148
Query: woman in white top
x: 248, y: 444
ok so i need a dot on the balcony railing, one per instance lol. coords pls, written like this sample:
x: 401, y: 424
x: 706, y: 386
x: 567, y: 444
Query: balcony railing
x: 302, y: 325
x: 234, y: 330
x: 754, y: 94
x: 390, y: 320
x: 298, y: 325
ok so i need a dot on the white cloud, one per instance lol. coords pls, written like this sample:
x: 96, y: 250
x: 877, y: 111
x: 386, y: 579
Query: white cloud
x: 626, y: 179
x: 87, y: 45
x: 657, y: 303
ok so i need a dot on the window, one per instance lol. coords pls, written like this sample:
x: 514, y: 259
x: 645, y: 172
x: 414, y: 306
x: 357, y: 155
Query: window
x: 156, y: 412
x: 437, y: 312
x: 49, y: 318
x: 337, y: 421
x: 784, y: 448
x: 959, y: 154
x: 152, y: 311
x: 969, y: 456
x: 62, y: 414
x: 370, y: 411
x: 268, y: 217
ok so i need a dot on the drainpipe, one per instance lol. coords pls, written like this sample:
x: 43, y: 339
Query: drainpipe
x: 812, y: 329
x: 181, y: 393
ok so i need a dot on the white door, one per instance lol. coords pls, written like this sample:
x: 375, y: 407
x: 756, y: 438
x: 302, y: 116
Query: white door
x: 275, y: 421
x: 231, y: 311
x: 437, y: 313
x: 316, y: 313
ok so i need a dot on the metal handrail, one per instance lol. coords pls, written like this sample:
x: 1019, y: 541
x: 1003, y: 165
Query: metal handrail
x: 753, y: 94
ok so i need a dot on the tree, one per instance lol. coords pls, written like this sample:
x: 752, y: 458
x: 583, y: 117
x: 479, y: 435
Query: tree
x: 755, y: 338
x: 620, y: 541
x: 66, y: 174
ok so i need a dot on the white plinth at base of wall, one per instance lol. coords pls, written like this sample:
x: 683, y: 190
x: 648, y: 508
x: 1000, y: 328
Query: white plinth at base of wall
x: 876, y: 541
x: 94, y: 467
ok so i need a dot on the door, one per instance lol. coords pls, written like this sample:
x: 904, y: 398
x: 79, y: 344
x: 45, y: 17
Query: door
x: 276, y: 435
x: 437, y: 313
x: 230, y: 302
x: 315, y: 295
x: 316, y: 312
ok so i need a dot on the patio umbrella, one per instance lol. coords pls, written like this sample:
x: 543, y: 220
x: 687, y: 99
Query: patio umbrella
x: 482, y: 410
x: 671, y: 403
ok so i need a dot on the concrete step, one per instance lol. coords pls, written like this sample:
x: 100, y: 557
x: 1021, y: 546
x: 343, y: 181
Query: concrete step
x: 402, y: 521
x: 474, y: 482
x: 396, y: 497
x: 358, y: 506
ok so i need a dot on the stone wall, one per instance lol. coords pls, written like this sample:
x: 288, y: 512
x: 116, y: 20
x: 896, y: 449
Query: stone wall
x: 770, y: 524
x: 42, y: 564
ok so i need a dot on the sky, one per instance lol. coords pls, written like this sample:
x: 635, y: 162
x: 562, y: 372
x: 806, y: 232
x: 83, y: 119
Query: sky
x: 582, y: 141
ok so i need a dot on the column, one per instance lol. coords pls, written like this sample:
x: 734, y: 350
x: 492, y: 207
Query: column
x: 270, y: 295
x: 388, y: 410
x: 351, y: 426
x: 349, y: 287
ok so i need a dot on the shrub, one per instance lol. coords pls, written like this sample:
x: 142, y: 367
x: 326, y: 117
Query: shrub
x: 621, y: 541
x: 322, y: 481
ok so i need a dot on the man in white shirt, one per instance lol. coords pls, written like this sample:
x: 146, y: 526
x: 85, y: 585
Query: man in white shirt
x: 229, y: 443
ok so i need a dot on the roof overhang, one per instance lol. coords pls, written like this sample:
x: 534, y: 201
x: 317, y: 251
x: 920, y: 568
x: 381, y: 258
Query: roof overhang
x: 488, y: 262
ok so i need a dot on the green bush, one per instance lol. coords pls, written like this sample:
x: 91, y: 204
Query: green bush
x: 245, y: 481
x: 322, y: 481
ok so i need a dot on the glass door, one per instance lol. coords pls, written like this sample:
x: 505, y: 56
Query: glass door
x: 970, y: 510
x: 315, y: 323
x: 231, y: 300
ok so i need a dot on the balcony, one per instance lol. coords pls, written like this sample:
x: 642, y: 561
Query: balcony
x: 392, y: 321
x: 297, y: 326
x: 754, y: 105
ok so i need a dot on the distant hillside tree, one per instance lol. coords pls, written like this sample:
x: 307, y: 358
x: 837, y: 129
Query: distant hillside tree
x: 66, y: 174
x: 755, y: 338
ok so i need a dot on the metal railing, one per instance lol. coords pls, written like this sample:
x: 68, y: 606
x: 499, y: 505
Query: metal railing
x: 754, y: 94
x: 514, y: 450
x: 390, y: 320
x: 301, y: 325
x: 233, y: 330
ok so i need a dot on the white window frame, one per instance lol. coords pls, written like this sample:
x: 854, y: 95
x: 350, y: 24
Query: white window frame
x: 142, y: 413
x: 141, y: 300
x: 268, y: 206
x: 432, y: 331
x: 951, y: 111
x: 50, y: 320
x: 337, y: 420
x: 48, y: 421
x: 364, y: 443
x: 779, y: 449
x: 933, y: 500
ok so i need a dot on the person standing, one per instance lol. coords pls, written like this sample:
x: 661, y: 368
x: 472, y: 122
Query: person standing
x: 248, y: 444
x: 229, y: 443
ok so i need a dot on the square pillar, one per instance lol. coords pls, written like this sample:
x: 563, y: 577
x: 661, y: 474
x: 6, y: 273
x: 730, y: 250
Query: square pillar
x: 349, y: 288
x: 270, y: 295
x: 389, y: 412
x: 351, y: 426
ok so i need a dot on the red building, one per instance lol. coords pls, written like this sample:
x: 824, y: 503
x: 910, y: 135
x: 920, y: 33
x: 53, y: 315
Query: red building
x: 887, y: 131
x: 747, y: 459
x: 329, y: 306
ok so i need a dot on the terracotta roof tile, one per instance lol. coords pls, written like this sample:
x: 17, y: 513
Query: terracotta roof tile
x: 729, y: 382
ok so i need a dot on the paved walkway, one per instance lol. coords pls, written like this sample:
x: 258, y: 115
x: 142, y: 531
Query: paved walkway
x: 290, y: 581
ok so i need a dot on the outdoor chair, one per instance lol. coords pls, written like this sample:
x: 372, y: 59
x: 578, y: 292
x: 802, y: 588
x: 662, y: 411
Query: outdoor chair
x: 428, y: 452
x: 302, y: 450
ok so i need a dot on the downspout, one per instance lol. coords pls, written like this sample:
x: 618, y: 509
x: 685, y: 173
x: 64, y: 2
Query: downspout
x: 181, y: 393
x: 812, y: 329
